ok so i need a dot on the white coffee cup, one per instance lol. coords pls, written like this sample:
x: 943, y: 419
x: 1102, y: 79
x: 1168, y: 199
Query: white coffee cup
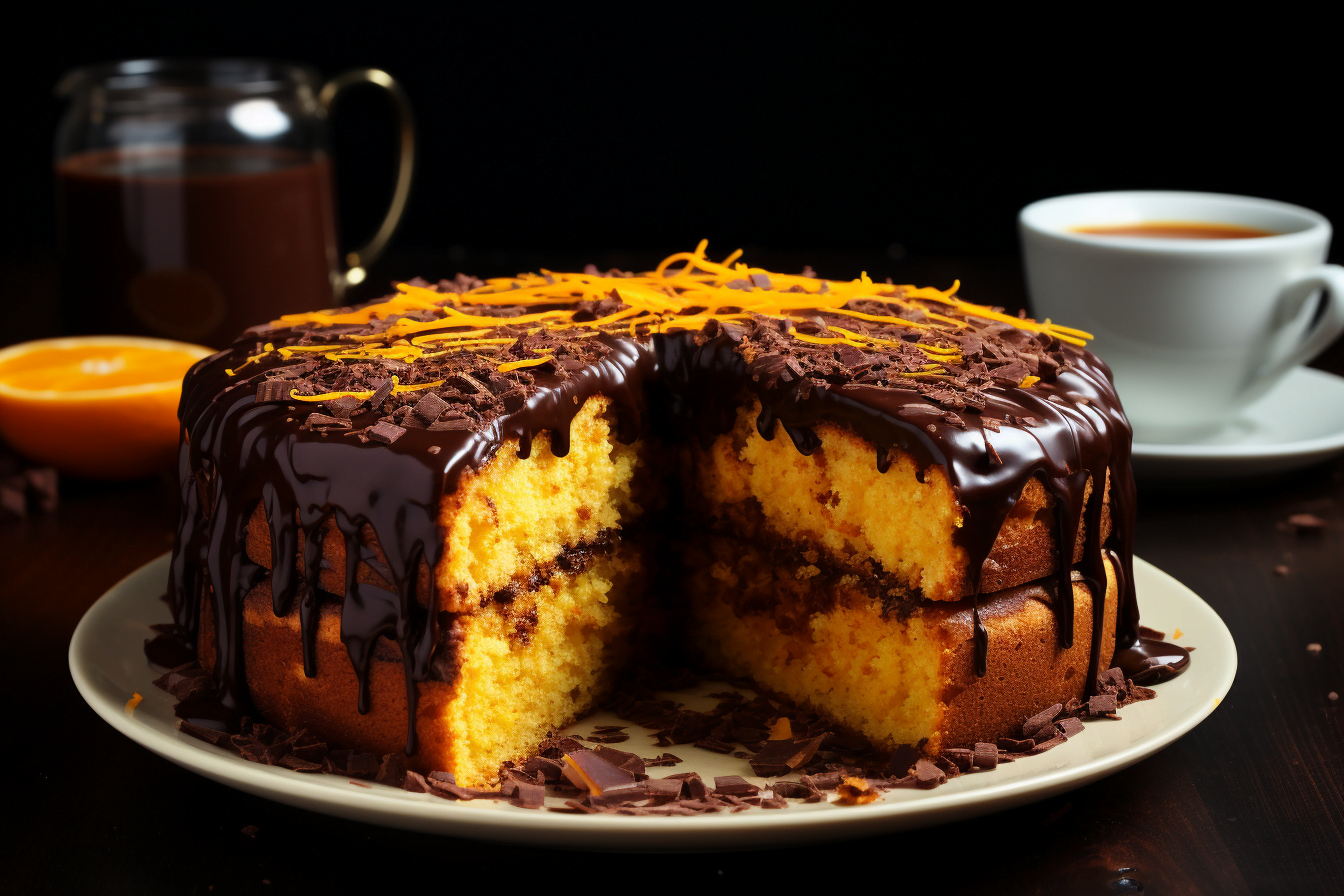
x: 1193, y: 329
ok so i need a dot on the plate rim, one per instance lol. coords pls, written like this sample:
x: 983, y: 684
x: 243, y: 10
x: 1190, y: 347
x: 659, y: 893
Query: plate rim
x: 557, y: 829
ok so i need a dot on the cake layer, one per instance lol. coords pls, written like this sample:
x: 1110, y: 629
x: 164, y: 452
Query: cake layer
x: 508, y: 519
x: 899, y: 526
x: 895, y: 676
x: 503, y: 676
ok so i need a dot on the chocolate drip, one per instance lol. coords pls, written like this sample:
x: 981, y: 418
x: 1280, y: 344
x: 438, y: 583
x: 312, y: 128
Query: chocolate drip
x: 1149, y: 661
x: 1145, y: 660
x: 237, y: 453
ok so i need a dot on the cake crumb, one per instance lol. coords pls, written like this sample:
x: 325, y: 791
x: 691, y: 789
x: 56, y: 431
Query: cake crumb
x: 856, y: 792
x: 1282, y: 570
x: 1333, y: 695
x: 1314, y: 649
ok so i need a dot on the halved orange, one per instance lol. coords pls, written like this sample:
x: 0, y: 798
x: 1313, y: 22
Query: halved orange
x: 104, y: 407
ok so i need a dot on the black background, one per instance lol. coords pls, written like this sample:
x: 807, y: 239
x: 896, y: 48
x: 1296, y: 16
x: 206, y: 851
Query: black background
x: 848, y: 137
x: 858, y: 136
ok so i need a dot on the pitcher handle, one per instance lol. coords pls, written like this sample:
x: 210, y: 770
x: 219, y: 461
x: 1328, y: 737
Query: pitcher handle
x: 358, y: 260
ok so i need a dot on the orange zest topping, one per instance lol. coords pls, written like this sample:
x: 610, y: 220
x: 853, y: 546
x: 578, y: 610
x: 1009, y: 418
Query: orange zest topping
x: 528, y: 362
x: 397, y: 389
x: 134, y: 701
x: 683, y: 292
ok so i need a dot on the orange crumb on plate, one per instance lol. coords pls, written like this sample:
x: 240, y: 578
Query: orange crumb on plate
x: 856, y: 792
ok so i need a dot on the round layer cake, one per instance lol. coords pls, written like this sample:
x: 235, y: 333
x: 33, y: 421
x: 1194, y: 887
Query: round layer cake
x: 446, y: 520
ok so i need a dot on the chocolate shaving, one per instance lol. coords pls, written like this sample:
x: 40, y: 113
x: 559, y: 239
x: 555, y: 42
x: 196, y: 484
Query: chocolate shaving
x: 1041, y: 720
x: 779, y: 757
x: 381, y: 391
x: 589, y: 771
x: 626, y: 761
x: 734, y: 785
x: 273, y: 390
x: 430, y: 407
x: 663, y: 760
x: 344, y: 406
x: 1070, y: 727
x: 986, y: 756
x: 385, y: 432
x: 324, y: 420
x: 1050, y: 744
x: 927, y: 774
x: 1102, y: 705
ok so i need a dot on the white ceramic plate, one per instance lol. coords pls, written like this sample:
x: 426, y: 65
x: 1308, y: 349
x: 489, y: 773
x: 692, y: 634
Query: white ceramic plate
x: 1300, y: 422
x: 108, y: 665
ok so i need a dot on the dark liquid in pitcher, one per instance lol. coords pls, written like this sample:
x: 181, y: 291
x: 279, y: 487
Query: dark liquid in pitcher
x: 195, y: 244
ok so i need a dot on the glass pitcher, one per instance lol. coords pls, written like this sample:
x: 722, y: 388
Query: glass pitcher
x: 195, y: 199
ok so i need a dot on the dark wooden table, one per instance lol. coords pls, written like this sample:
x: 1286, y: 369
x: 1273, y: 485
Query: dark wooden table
x: 1251, y: 801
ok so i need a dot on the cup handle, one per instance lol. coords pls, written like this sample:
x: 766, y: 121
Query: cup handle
x: 1328, y: 323
x: 359, y: 259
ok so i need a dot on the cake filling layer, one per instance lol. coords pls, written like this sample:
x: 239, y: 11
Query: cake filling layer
x: 895, y: 678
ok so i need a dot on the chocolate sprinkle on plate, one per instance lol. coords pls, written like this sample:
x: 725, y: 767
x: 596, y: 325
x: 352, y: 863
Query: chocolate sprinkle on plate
x: 611, y: 781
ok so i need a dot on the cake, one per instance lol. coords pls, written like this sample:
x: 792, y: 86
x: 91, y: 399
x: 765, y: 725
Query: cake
x: 446, y: 522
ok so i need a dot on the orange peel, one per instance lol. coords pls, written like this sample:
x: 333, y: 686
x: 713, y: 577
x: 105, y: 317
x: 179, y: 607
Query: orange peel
x: 101, y: 407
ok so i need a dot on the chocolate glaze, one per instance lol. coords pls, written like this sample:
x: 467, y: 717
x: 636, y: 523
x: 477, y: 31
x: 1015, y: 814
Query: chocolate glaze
x: 237, y: 452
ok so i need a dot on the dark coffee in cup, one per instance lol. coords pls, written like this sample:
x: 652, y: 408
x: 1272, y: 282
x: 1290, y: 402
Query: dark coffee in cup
x: 1177, y: 230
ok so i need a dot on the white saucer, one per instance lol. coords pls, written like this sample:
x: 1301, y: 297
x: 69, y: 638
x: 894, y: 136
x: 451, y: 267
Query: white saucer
x: 1297, y: 424
x: 108, y: 664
